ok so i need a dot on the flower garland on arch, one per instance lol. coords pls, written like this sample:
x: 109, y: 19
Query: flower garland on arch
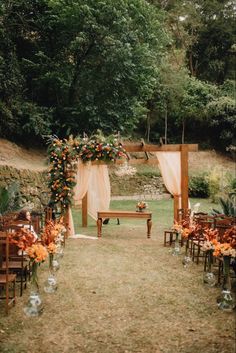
x: 64, y: 154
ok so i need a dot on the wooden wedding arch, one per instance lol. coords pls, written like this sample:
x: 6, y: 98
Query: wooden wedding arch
x: 148, y: 149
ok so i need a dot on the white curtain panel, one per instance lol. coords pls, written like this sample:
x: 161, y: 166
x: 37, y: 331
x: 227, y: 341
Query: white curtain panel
x: 93, y: 179
x: 99, y: 190
x: 71, y: 228
x: 170, y: 167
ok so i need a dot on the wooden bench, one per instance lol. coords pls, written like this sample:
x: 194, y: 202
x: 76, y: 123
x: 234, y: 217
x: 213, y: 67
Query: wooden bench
x: 124, y: 214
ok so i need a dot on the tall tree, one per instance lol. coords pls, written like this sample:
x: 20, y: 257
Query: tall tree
x: 86, y: 64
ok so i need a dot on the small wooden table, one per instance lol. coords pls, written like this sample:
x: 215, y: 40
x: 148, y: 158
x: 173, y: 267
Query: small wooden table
x: 124, y: 214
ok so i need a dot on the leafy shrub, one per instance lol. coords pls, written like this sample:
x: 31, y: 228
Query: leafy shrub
x: 9, y: 198
x: 199, y: 186
x: 228, y: 205
x: 233, y: 184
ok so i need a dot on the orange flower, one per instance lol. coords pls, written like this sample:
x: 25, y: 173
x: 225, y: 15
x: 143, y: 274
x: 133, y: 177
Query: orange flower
x: 37, y: 252
x: 210, y: 234
x: 185, y: 233
x: 142, y: 204
x: 23, y: 238
x: 224, y: 250
x: 52, y: 249
x: 177, y: 227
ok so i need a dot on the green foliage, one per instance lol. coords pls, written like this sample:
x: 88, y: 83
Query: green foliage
x: 85, y: 64
x: 228, y: 205
x: 221, y: 114
x: 210, y: 55
x: 9, y: 198
x: 35, y: 120
x: 199, y: 186
x: 73, y: 66
x: 4, y: 200
x: 233, y: 184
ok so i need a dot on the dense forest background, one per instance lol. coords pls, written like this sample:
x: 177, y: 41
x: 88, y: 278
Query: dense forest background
x: 155, y: 69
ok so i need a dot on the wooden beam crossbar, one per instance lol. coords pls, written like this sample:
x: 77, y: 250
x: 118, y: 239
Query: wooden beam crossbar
x: 140, y: 147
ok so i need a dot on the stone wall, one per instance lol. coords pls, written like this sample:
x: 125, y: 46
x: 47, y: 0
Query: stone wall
x: 32, y: 186
x: 137, y: 185
x: 34, y: 193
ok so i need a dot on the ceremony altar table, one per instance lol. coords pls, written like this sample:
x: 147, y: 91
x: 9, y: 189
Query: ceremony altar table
x: 123, y: 214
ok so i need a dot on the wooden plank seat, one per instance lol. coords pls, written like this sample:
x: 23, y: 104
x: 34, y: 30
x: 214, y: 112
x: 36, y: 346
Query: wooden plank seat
x: 123, y: 214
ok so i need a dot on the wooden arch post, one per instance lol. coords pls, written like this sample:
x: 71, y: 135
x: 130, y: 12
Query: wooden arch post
x: 184, y: 177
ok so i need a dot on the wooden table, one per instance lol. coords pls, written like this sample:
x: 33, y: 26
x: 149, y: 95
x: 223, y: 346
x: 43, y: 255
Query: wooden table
x: 124, y: 214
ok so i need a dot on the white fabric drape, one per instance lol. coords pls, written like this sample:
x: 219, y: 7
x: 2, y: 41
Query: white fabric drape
x: 82, y: 180
x: 71, y: 228
x: 93, y: 179
x: 170, y: 167
x: 99, y: 190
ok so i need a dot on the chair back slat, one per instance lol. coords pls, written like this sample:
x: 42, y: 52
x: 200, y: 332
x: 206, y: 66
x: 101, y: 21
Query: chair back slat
x: 4, y: 243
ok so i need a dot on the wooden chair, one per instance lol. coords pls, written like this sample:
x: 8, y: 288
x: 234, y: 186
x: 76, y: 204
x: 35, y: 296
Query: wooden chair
x: 204, y: 221
x: 183, y: 214
x: 37, y: 221
x: 170, y: 234
x: 7, y: 219
x: 48, y: 214
x: 7, y: 279
x: 18, y: 262
x: 222, y: 224
x: 169, y: 237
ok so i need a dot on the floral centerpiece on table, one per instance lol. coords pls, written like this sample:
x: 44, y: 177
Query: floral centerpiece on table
x: 141, y: 206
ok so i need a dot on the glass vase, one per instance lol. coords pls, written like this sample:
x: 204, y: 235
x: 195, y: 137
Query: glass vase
x: 176, y: 251
x: 140, y: 209
x: 60, y: 251
x: 50, y: 285
x: 34, y: 305
x: 209, y: 279
x: 187, y: 261
x: 226, y: 300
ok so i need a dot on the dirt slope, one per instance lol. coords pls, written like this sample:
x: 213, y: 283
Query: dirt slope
x: 22, y: 158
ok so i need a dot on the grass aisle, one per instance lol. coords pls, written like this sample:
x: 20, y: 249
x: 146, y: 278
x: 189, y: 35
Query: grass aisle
x: 122, y: 294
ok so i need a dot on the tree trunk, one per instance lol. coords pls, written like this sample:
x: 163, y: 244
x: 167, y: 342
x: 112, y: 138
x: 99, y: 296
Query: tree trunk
x: 148, y: 127
x: 166, y: 125
x: 73, y: 90
x: 192, y: 70
x: 183, y: 130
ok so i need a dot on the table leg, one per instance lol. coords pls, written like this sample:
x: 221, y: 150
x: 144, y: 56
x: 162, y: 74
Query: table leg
x: 99, y: 226
x: 149, y: 226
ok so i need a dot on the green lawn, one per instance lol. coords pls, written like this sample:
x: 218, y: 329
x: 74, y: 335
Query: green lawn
x: 162, y: 211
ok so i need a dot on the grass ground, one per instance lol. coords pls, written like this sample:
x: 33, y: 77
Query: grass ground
x: 162, y: 212
x: 123, y: 293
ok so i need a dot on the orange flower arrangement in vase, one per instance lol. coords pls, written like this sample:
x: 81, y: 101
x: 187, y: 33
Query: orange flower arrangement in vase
x: 141, y: 206
x: 37, y: 254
